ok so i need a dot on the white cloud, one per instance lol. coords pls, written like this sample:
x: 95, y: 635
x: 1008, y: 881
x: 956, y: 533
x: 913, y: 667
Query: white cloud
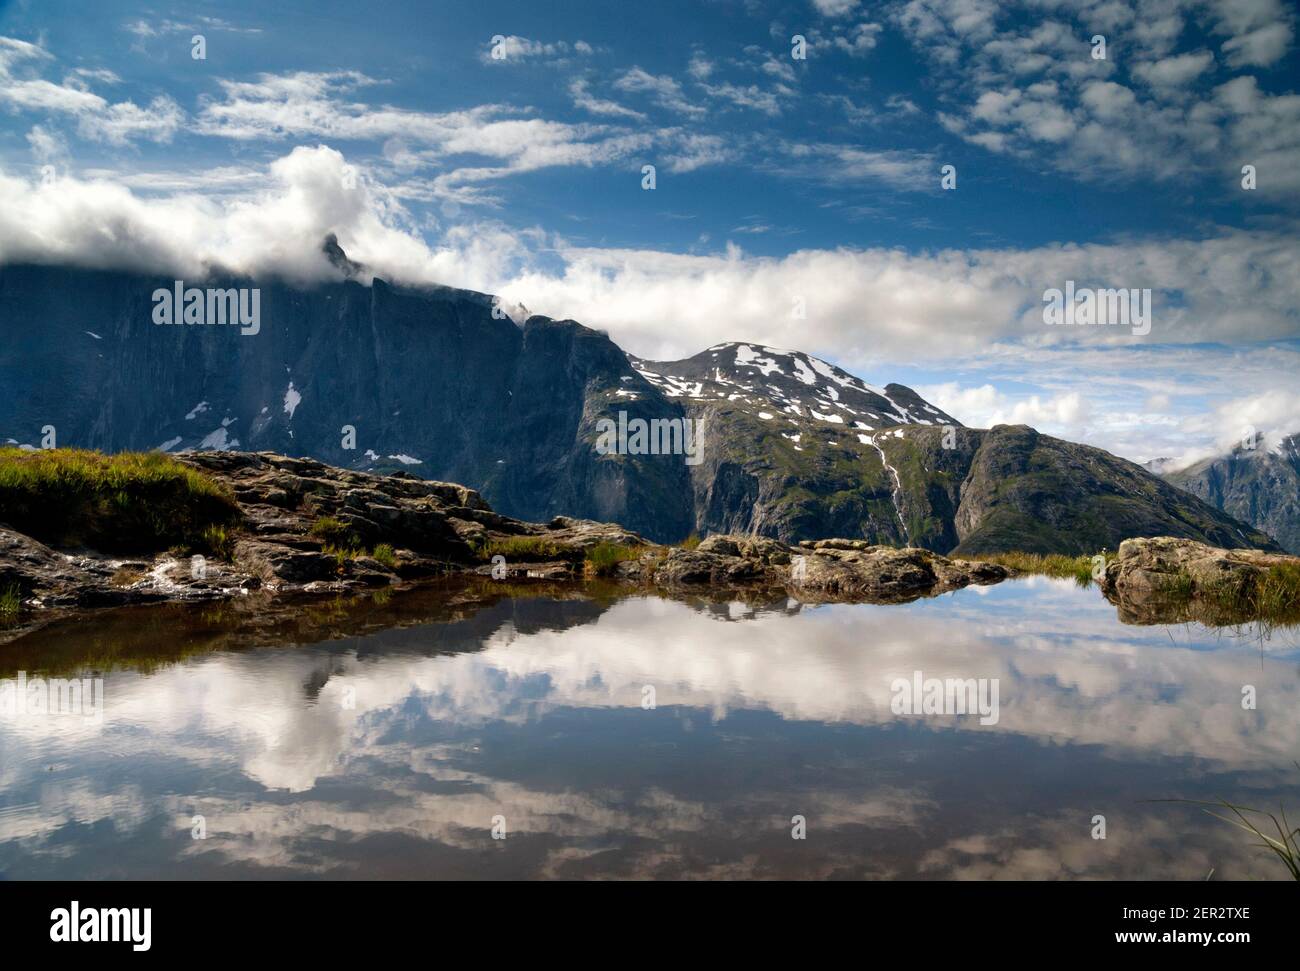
x: 840, y: 165
x: 1175, y: 72
x: 306, y: 104
x: 276, y: 229
x: 47, y: 146
x: 1030, y: 87
x: 861, y: 303
x: 511, y: 49
x: 1271, y: 415
x: 834, y: 8
x: 1259, y: 31
x: 1259, y: 48
x: 1065, y: 415
x: 579, y: 91
x: 664, y: 90
x: 97, y: 118
x: 695, y: 151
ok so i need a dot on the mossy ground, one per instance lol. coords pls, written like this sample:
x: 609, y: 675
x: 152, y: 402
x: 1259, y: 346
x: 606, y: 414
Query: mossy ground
x: 1077, y: 568
x: 131, y: 502
x: 1272, y: 598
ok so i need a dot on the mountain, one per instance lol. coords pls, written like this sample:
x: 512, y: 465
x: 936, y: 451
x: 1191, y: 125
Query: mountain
x: 431, y: 381
x: 790, y: 383
x: 436, y: 382
x: 1258, y: 486
x: 811, y: 450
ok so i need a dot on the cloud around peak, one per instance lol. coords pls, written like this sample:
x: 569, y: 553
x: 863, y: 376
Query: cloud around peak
x: 854, y: 304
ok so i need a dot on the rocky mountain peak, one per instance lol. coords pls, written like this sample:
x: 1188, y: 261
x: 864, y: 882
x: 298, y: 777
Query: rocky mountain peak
x: 339, y: 259
x: 789, y: 383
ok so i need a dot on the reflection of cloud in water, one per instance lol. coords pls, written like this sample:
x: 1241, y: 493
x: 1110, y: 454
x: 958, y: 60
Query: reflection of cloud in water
x: 269, y: 835
x: 1070, y: 674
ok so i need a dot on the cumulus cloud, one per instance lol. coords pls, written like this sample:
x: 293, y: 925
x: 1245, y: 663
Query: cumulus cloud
x: 1065, y: 415
x: 46, y: 145
x: 97, y: 118
x: 861, y: 303
x: 1174, y: 71
x: 580, y: 92
x: 1265, y: 418
x: 277, y: 229
x: 1031, y: 87
x: 695, y: 151
x: 834, y: 8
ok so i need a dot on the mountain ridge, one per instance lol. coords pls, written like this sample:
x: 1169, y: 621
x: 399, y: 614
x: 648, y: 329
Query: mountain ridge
x: 1259, y: 486
x: 435, y: 381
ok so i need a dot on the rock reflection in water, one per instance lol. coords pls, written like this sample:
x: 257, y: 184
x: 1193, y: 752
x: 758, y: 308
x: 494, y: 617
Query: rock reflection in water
x: 379, y: 739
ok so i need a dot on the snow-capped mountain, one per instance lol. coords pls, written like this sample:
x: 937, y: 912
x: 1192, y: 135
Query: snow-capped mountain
x: 430, y: 382
x: 790, y: 384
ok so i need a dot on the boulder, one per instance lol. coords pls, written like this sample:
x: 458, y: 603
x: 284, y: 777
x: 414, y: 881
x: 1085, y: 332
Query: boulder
x: 1147, y: 569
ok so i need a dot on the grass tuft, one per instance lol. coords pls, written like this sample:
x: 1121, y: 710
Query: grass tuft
x: 527, y: 549
x: 385, y: 555
x: 1260, y: 824
x: 1272, y: 598
x: 332, y: 532
x: 11, y: 600
x: 128, y: 502
x: 1077, y: 568
x: 604, y: 558
x: 220, y: 543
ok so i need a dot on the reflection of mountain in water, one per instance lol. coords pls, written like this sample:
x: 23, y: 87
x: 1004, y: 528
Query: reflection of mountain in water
x: 387, y: 751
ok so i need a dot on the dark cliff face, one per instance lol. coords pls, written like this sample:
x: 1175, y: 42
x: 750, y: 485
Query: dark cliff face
x: 431, y: 382
x: 1258, y: 486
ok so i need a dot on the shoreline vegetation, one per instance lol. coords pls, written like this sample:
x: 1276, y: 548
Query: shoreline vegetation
x: 1057, y: 565
x: 1269, y: 594
x: 230, y: 506
x: 130, y: 502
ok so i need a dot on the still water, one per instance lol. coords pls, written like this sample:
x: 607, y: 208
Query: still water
x: 611, y: 736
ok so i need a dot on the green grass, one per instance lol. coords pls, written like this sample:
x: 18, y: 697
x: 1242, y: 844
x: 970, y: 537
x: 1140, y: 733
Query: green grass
x: 342, y: 554
x: 128, y: 502
x: 690, y: 542
x: 1177, y: 587
x: 332, y: 532
x: 341, y: 543
x: 603, y: 558
x: 1077, y: 568
x: 1260, y: 824
x: 11, y: 600
x: 1277, y: 595
x: 527, y: 549
x: 219, y: 542
x: 1272, y: 598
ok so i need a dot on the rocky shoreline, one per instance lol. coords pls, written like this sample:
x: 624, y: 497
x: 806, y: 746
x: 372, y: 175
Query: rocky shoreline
x: 437, y: 529
x: 433, y: 530
x: 1161, y: 580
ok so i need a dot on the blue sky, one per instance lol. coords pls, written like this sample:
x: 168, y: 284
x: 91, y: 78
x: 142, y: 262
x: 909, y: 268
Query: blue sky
x: 776, y: 177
